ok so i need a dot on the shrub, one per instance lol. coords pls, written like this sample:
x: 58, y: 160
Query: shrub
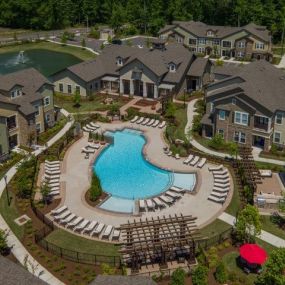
x: 178, y: 277
x: 107, y: 269
x: 221, y: 274
x: 199, y: 275
x: 274, y: 149
x: 95, y: 189
x: 217, y: 142
x: 3, y: 241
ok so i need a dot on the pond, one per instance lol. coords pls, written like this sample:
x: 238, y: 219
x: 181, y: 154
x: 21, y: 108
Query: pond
x: 45, y: 61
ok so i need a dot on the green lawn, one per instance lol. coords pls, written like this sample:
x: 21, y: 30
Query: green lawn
x: 181, y: 117
x: 78, y: 52
x: 273, y: 167
x: 269, y: 226
x: 278, y: 156
x: 215, y: 228
x: 234, y: 205
x: 70, y: 241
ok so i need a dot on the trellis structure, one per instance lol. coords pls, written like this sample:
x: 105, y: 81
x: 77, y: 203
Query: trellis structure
x: 158, y: 241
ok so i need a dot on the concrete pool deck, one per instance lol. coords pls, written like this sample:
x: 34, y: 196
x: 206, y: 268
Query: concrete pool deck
x: 77, y: 176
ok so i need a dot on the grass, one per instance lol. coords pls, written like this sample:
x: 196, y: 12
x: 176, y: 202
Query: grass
x: 278, y: 156
x: 277, y: 50
x: 181, y: 117
x: 10, y: 213
x: 268, y: 247
x: 269, y: 226
x: 70, y: 241
x: 77, y: 52
x: 234, y: 205
x: 215, y: 228
x: 273, y: 167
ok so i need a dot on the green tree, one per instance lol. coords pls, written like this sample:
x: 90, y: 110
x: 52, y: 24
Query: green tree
x: 3, y: 241
x: 118, y: 17
x: 83, y: 43
x: 248, y: 224
x: 178, y: 277
x: 221, y: 273
x: 76, y: 99
x: 63, y: 39
x: 95, y: 190
x: 45, y: 191
x: 200, y: 275
x: 170, y: 110
x: 233, y: 149
x: 217, y: 142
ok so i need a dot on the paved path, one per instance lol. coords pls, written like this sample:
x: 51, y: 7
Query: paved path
x: 265, y: 236
x: 18, y: 249
x: 282, y: 62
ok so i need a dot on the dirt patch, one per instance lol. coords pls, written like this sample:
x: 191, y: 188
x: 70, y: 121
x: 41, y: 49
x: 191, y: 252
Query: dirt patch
x: 99, y: 200
x: 145, y: 103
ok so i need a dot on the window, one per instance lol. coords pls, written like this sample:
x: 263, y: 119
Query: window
x: 259, y: 45
x: 69, y: 89
x: 234, y: 101
x: 192, y: 41
x: 16, y: 93
x: 119, y: 61
x: 277, y: 137
x: 172, y: 67
x: 202, y: 41
x: 227, y: 44
x: 210, y: 33
x: 222, y: 115
x: 77, y: 88
x: 241, y: 118
x: 179, y: 40
x: 221, y: 133
x: 61, y: 87
x: 11, y: 122
x: 241, y: 45
x: 96, y: 85
x: 216, y: 42
x: 47, y: 118
x: 212, y: 107
x: 278, y: 118
x: 201, y: 49
x: 46, y: 101
x: 13, y: 94
x: 37, y: 110
x: 193, y: 49
x: 239, y: 137
x: 38, y: 127
x: 240, y: 54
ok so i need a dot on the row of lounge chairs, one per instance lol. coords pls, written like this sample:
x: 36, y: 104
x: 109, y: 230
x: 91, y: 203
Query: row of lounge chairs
x: 91, y: 127
x: 52, y: 176
x: 91, y: 148
x: 221, y: 184
x: 195, y: 160
x: 148, y: 122
x: 64, y: 217
x: 168, y: 198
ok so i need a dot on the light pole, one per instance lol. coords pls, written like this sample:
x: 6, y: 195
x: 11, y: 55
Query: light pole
x: 7, y: 194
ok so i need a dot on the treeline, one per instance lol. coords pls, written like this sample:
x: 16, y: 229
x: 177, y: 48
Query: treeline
x: 140, y: 15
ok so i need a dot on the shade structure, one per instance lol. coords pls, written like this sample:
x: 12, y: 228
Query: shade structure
x: 253, y: 253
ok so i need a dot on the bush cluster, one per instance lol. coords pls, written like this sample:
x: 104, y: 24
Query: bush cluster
x: 95, y: 189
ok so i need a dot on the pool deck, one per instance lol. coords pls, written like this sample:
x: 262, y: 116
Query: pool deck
x: 77, y: 177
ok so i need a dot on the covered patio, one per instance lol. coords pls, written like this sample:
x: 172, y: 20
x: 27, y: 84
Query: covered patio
x: 110, y: 84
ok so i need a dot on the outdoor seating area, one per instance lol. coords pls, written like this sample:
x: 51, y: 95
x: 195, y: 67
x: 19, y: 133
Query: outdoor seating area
x: 91, y: 127
x: 148, y: 122
x: 65, y: 218
x: 90, y: 148
x: 221, y: 184
x: 52, y: 176
x: 195, y: 160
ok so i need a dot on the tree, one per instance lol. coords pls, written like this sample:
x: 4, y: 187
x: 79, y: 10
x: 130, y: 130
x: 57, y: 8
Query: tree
x: 76, y: 99
x: 170, y: 110
x: 221, y: 274
x: 274, y: 273
x: 95, y: 189
x: 217, y: 142
x: 248, y: 225
x: 83, y: 43
x: 3, y: 241
x: 45, y: 191
x: 233, y: 149
x: 118, y: 17
x: 63, y: 39
x: 200, y: 275
x: 178, y: 277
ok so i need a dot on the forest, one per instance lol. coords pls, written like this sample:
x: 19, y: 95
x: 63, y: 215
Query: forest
x: 140, y: 16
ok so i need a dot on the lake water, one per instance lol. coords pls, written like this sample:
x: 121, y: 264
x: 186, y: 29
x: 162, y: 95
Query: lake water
x: 45, y: 61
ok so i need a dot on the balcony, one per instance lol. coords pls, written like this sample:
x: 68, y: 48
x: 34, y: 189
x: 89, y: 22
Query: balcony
x: 262, y: 124
x: 263, y: 127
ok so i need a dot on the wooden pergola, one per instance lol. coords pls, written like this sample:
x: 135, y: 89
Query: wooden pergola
x: 158, y: 241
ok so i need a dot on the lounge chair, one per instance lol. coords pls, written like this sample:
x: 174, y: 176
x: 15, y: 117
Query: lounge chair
x: 169, y: 153
x: 188, y: 159
x: 94, y: 125
x: 194, y: 161
x: 225, y: 176
x: 62, y: 215
x: 219, y: 195
x: 52, y: 185
x: 107, y: 231
x: 92, y: 146
x: 166, y: 199
x: 134, y: 119
x: 86, y: 150
x: 57, y: 188
x: 220, y: 172
x: 67, y: 219
x: 52, y: 181
x: 90, y: 227
x: 151, y: 122
x: 155, y: 124
x: 222, y: 185
x: 221, y: 190
x: 86, y: 130
x: 54, y: 193
x: 158, y: 203
x: 177, y: 156
x: 91, y: 128
x: 116, y: 234
x: 140, y: 120
x: 141, y: 205
x: 216, y: 168
x: 50, y: 177
x: 56, y: 167
x: 201, y: 162
x: 81, y: 226
x: 177, y: 189
x: 145, y: 121
x: 215, y: 199
x: 150, y: 205
x: 59, y: 210
x: 162, y: 125
x: 74, y: 222
x: 227, y: 180
x: 172, y: 194
x: 55, y: 162
x: 52, y: 172
x: 265, y: 173
x: 98, y: 229
x: 166, y: 150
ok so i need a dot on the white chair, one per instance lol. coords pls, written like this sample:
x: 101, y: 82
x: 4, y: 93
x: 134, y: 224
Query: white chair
x: 155, y: 124
x: 222, y: 185
x: 158, y: 203
x: 150, y: 204
x: 52, y: 172
x: 98, y: 230
x: 74, y: 222
x: 201, y: 162
x: 216, y: 168
x: 162, y: 125
x: 188, y: 159
x: 172, y: 194
x: 86, y: 130
x: 54, y: 193
x: 90, y: 227
x: 140, y: 120
x: 107, y: 231
x: 177, y: 156
x: 151, y: 122
x: 59, y: 210
x: 177, y: 189
x: 217, y: 200
x: 55, y: 162
x: 94, y: 125
x: 50, y: 177
x: 67, y: 219
x: 227, y: 180
x: 194, y: 161
x: 166, y: 199
x: 86, y: 150
x: 116, y: 234
x: 145, y: 121
x: 62, y: 216
x: 91, y: 128
x: 134, y: 119
x: 81, y: 226
x: 141, y: 205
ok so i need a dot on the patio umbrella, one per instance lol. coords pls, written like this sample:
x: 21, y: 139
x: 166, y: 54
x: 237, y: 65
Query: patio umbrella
x: 253, y: 253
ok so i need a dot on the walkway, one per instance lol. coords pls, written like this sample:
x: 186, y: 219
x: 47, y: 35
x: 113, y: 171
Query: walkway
x: 282, y: 62
x: 18, y: 249
x: 265, y: 236
x: 190, y: 115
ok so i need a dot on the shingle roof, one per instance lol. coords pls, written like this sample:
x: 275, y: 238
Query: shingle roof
x: 122, y: 280
x: 228, y: 69
x: 197, y: 68
x: 13, y: 274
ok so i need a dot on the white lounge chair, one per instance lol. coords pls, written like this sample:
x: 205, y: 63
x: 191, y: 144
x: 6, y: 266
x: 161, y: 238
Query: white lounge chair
x: 54, y: 189
x: 166, y: 199
x: 194, y: 161
x: 90, y: 227
x: 52, y: 185
x: 172, y: 194
x: 227, y: 180
x: 54, y: 193
x: 55, y: 162
x: 220, y: 172
x: 52, y: 172
x: 141, y: 205
x: 162, y: 125
x: 265, y: 173
x: 177, y: 156
x: 91, y: 128
x: 94, y: 125
x: 67, y: 219
x: 134, y: 119
x: 221, y: 190
x: 56, y: 167
x: 216, y: 168
x: 215, y: 199
x: 222, y: 185
x: 201, y: 162
x: 219, y: 195
x: 155, y: 124
x: 145, y: 121
x: 86, y: 150
x: 98, y: 229
x: 140, y: 120
x: 107, y: 231
x: 50, y: 177
x: 177, y: 189
x: 62, y: 215
x: 116, y: 234
x: 86, y: 130
x: 151, y: 122
x: 170, y: 153
x: 51, y: 181
x: 59, y: 210
x: 81, y: 226
x: 188, y: 159
x: 149, y: 204
x: 92, y: 145
x: 74, y: 222
x: 225, y: 176
x: 158, y: 202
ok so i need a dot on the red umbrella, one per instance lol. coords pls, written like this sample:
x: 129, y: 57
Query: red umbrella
x: 253, y: 253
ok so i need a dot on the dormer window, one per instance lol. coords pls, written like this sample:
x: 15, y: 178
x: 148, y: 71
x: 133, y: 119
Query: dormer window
x: 119, y: 61
x: 172, y: 67
x: 210, y: 33
x: 16, y: 93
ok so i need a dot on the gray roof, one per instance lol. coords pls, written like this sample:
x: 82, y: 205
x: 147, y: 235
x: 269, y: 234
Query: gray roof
x: 261, y: 81
x: 228, y: 69
x: 200, y: 29
x: 31, y: 81
x: 197, y: 68
x: 122, y: 280
x: 13, y: 274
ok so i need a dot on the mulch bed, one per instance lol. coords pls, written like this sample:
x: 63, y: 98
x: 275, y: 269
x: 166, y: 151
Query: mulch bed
x: 99, y: 200
x: 146, y: 103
